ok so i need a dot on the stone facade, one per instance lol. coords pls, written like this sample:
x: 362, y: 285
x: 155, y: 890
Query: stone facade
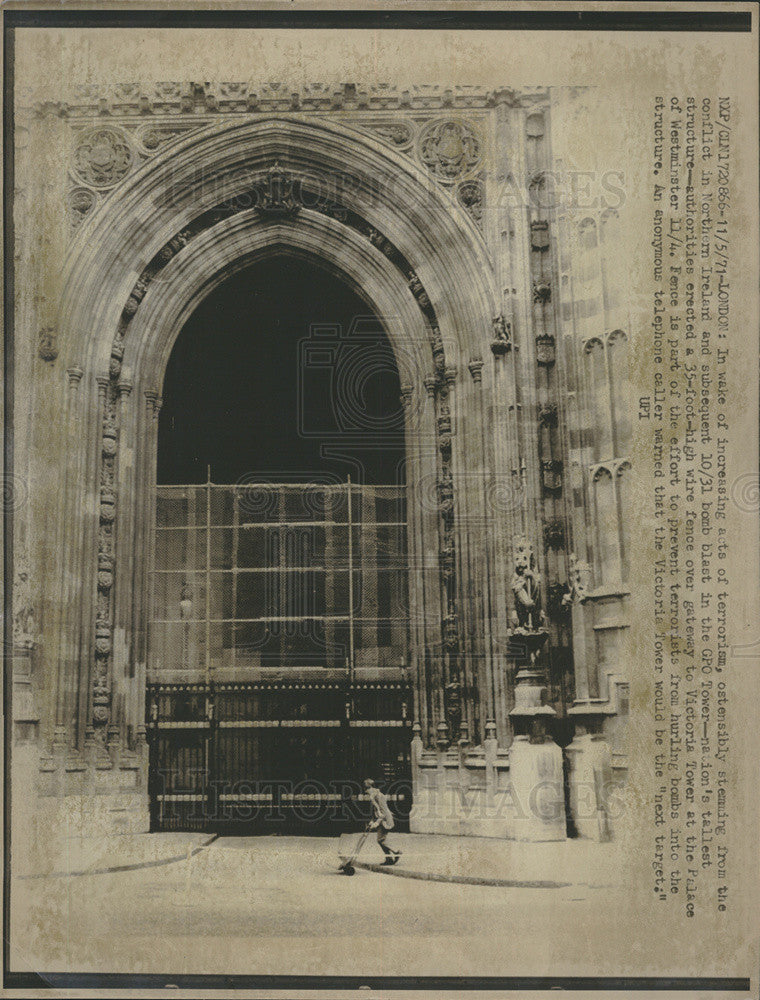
x: 448, y: 210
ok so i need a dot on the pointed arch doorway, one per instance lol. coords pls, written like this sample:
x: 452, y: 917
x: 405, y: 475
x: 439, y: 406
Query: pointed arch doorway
x: 278, y: 640
x: 369, y: 216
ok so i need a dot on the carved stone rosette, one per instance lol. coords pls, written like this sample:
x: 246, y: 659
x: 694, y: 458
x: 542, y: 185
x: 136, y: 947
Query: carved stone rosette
x: 103, y: 156
x: 449, y: 148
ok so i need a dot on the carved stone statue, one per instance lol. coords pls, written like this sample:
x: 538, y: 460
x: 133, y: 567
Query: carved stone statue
x: 526, y: 590
x: 579, y: 581
x: 23, y: 609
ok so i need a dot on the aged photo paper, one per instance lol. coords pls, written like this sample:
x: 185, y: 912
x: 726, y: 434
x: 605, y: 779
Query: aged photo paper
x: 381, y: 500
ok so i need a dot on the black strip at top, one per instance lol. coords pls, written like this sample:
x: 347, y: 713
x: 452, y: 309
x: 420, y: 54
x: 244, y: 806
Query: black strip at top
x: 418, y: 20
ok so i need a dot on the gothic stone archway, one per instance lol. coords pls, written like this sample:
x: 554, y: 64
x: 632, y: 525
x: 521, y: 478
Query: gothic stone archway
x: 141, y: 265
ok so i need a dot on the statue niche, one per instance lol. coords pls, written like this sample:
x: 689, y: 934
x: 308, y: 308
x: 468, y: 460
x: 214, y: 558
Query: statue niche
x: 527, y: 615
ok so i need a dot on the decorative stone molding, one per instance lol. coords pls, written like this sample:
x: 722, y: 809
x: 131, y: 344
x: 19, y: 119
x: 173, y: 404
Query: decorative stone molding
x: 172, y: 98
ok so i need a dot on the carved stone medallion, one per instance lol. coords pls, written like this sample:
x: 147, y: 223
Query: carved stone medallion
x: 449, y: 149
x: 470, y: 196
x: 103, y: 156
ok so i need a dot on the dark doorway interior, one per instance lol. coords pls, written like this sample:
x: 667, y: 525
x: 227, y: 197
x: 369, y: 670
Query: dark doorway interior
x: 283, y: 373
x: 279, y: 632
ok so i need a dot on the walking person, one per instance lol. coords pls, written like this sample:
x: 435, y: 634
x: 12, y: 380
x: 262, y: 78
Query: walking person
x: 382, y: 822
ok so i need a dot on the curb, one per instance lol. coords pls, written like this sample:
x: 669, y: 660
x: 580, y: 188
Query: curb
x: 460, y: 879
x: 125, y: 868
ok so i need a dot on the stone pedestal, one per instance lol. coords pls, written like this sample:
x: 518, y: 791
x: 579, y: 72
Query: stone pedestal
x: 591, y: 783
x: 537, y: 790
x: 535, y: 761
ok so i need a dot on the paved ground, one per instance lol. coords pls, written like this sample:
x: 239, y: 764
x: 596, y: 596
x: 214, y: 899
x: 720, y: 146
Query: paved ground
x: 278, y: 905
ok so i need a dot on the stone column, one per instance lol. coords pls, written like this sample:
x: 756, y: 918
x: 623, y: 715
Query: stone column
x: 412, y: 402
x: 507, y: 488
x: 482, y: 557
x: 69, y: 647
x: 124, y: 548
x: 429, y: 503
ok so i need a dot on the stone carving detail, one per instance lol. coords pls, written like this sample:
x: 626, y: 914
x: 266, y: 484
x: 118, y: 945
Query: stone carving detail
x: 153, y: 137
x: 117, y: 353
x: 101, y: 696
x: 47, y: 343
x: 449, y: 149
x: 470, y: 197
x: 476, y: 369
x: 439, y: 357
x: 444, y: 425
x: 545, y: 349
x: 446, y: 496
x: 453, y: 702
x: 579, y: 582
x: 554, y: 533
x: 103, y: 156
x: 446, y: 561
x: 105, y: 572
x: 399, y: 134
x: 418, y: 290
x: 451, y: 629
x: 23, y: 607
x: 551, y: 476
x: 535, y: 125
x: 527, y: 615
x: 502, y: 336
x: 81, y: 203
x: 542, y: 291
x: 276, y: 195
x: 383, y: 245
x: 547, y: 414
